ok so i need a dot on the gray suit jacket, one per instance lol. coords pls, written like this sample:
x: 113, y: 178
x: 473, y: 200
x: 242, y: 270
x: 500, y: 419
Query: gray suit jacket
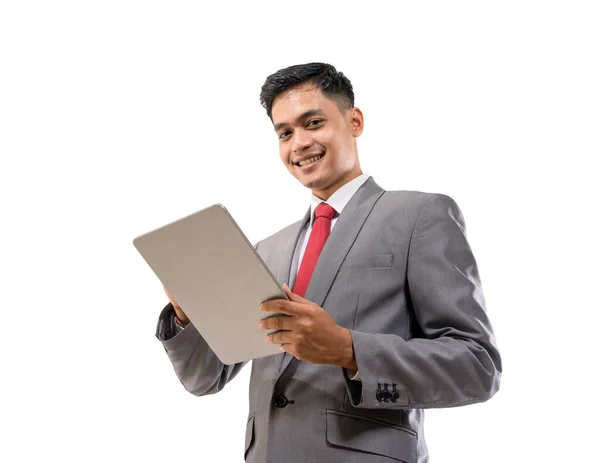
x: 397, y: 271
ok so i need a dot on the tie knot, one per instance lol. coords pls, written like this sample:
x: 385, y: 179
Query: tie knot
x: 324, y: 210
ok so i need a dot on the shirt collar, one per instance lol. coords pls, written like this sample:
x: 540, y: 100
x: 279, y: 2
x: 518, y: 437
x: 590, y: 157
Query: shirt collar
x: 340, y: 198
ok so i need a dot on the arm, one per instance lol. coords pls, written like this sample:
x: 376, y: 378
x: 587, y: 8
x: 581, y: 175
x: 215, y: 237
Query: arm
x: 195, y: 364
x: 456, y: 361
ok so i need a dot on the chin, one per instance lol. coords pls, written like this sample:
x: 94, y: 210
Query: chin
x: 312, y: 181
x: 317, y: 186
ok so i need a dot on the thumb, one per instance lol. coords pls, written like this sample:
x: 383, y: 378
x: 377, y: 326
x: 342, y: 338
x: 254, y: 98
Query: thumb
x: 292, y: 296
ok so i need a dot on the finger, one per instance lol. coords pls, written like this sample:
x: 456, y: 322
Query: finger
x: 282, y: 306
x: 171, y: 300
x: 281, y: 337
x: 293, y: 296
x: 168, y: 293
x: 283, y: 322
x: 180, y: 313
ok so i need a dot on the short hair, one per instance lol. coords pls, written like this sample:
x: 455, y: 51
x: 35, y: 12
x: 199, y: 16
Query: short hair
x: 332, y: 83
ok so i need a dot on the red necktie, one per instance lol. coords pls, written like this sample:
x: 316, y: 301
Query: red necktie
x: 320, y: 231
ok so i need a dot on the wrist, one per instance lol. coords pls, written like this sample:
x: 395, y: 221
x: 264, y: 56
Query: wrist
x: 347, y: 358
x: 179, y: 322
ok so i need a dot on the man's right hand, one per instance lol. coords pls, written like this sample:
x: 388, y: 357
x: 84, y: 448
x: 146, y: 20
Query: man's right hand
x: 178, y: 312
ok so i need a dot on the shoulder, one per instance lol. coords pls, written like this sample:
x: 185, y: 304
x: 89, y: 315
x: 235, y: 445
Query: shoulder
x: 415, y: 201
x: 419, y: 208
x: 277, y: 239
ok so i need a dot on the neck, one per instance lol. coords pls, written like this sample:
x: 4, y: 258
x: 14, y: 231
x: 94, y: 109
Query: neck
x: 326, y: 193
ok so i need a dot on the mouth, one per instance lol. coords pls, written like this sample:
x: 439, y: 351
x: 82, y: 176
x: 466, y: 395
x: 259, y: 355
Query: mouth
x: 309, y: 162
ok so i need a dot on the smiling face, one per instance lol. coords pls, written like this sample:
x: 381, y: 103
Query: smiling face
x: 317, y: 140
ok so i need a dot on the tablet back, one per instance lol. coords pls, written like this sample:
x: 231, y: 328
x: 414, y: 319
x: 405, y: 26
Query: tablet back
x: 219, y: 280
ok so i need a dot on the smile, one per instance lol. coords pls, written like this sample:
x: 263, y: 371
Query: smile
x: 308, y: 162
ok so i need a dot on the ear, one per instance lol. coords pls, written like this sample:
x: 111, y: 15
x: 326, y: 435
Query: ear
x: 357, y: 121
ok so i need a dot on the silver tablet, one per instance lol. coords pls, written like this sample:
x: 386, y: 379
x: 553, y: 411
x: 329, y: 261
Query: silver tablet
x: 217, y: 277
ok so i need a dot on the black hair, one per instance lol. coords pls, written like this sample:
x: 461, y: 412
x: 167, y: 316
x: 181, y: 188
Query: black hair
x: 332, y: 83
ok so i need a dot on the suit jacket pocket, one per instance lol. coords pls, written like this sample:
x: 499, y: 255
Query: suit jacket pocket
x: 249, y: 435
x: 372, y: 436
x: 368, y: 261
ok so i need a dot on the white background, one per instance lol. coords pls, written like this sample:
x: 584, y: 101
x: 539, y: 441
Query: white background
x: 117, y: 117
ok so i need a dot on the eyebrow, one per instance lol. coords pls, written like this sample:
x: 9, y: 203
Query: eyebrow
x: 304, y: 115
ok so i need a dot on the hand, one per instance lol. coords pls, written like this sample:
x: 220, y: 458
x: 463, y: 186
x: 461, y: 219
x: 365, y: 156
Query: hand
x: 308, y: 333
x: 178, y: 312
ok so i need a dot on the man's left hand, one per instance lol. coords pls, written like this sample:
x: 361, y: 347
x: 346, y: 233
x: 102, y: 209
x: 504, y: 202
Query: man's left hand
x: 308, y: 332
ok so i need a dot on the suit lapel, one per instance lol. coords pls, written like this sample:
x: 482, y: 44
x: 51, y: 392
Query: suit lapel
x: 341, y: 239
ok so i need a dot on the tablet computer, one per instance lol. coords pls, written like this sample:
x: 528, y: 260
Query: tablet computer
x: 217, y: 277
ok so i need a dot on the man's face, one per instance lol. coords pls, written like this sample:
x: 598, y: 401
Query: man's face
x: 317, y: 142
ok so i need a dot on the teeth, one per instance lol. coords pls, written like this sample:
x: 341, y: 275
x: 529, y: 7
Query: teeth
x: 309, y: 161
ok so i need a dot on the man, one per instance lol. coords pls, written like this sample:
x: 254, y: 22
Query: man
x: 387, y: 313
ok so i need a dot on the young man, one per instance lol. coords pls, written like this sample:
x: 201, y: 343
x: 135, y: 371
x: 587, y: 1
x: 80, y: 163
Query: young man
x: 387, y: 315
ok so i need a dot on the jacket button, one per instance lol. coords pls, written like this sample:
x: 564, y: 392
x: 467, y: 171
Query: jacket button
x: 282, y: 401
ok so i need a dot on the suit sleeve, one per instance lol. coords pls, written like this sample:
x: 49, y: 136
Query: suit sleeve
x: 195, y: 364
x: 455, y: 361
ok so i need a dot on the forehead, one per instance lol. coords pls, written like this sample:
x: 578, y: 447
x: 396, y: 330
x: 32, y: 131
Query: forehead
x: 293, y: 102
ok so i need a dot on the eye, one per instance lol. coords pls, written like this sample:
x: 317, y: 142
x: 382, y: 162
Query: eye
x: 284, y: 134
x: 314, y: 123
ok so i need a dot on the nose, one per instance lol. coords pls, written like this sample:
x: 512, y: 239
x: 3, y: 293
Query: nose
x: 301, y: 140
